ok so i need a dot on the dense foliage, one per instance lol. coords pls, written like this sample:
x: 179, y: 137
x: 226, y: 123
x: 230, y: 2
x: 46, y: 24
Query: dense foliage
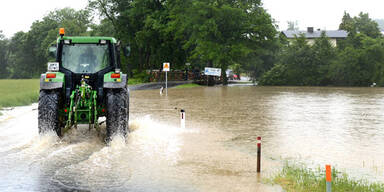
x: 26, y: 52
x: 217, y: 33
x: 356, y: 61
x: 201, y: 32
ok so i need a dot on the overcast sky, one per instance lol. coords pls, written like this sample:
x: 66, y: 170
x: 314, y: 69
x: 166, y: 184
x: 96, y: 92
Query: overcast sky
x: 18, y: 15
x: 323, y: 14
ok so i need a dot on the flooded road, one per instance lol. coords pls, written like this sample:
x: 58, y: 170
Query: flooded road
x: 216, y: 151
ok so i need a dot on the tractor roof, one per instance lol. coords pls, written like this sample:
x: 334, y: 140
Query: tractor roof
x: 86, y: 39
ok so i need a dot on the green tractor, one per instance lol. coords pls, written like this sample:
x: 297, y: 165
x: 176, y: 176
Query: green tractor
x: 84, y: 83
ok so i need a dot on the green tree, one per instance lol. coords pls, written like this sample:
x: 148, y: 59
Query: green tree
x: 348, y: 23
x: 302, y: 64
x: 361, y: 23
x: 221, y: 33
x: 357, y: 66
x: 108, y: 9
x: 104, y: 28
x: 357, y: 61
x: 204, y: 33
x: 374, y: 54
x: 29, y: 53
x: 366, y: 25
x: 301, y: 68
x: 4, y: 56
x: 143, y: 25
x: 323, y: 54
x: 276, y: 76
x: 19, y: 64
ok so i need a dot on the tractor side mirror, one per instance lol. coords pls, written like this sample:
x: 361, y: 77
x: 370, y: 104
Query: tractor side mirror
x: 127, y: 50
x: 52, y: 50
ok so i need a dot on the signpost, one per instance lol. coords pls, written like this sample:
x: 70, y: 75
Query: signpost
x: 166, y: 67
x: 212, y: 71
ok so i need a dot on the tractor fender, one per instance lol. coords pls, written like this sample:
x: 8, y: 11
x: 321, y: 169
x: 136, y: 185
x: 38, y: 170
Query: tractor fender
x: 115, y: 83
x: 51, y: 83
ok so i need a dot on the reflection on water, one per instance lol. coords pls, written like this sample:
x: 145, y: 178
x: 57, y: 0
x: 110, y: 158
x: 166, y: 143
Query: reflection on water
x: 216, y: 151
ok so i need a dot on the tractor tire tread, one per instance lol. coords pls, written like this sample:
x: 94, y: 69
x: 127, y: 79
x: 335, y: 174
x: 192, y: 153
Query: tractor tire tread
x: 48, y: 112
x: 117, y: 113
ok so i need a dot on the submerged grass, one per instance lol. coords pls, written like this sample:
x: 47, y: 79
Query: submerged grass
x: 299, y: 178
x: 17, y: 92
x: 189, y: 85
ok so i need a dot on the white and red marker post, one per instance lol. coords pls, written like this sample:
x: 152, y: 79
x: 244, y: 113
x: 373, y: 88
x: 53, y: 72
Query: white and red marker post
x: 182, y: 118
x: 258, y: 154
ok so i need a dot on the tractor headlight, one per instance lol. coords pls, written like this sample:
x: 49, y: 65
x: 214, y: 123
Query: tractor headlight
x: 53, y: 66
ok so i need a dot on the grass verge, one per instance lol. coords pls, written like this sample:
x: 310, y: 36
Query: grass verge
x: 189, y: 85
x: 299, y: 178
x: 135, y: 81
x: 17, y: 92
x: 138, y: 78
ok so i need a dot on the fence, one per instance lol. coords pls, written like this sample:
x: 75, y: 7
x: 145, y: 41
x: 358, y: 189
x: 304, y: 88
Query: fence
x: 157, y: 76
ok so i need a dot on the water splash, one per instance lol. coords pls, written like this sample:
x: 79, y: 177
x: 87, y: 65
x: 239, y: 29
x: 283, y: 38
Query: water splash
x: 43, y: 142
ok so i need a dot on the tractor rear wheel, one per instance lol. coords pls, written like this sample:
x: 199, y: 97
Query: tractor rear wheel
x: 48, y: 112
x: 117, y: 104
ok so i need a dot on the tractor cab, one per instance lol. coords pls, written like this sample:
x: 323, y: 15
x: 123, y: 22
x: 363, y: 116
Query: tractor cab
x: 88, y: 58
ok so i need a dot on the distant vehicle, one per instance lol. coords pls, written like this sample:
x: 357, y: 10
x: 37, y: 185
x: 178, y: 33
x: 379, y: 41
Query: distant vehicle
x: 230, y: 74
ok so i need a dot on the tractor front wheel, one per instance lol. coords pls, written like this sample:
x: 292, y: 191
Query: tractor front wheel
x: 48, y: 112
x: 117, y: 104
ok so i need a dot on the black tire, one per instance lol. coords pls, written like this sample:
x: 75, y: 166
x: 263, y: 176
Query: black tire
x: 117, y: 105
x: 48, y: 110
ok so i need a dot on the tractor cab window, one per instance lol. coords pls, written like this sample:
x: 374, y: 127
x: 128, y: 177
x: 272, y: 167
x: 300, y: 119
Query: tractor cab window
x: 85, y: 58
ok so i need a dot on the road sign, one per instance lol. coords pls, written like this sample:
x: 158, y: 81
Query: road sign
x: 166, y: 66
x: 212, y: 71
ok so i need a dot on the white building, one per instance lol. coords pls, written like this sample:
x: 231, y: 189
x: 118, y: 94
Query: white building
x: 311, y: 35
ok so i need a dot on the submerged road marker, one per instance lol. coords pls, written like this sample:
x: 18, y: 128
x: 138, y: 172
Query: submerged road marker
x: 258, y: 153
x: 328, y: 177
x: 182, y: 118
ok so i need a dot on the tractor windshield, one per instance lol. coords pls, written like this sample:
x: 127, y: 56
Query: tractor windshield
x: 85, y: 58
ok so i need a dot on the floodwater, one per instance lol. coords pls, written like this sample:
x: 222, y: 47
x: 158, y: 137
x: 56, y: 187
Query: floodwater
x: 216, y: 151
